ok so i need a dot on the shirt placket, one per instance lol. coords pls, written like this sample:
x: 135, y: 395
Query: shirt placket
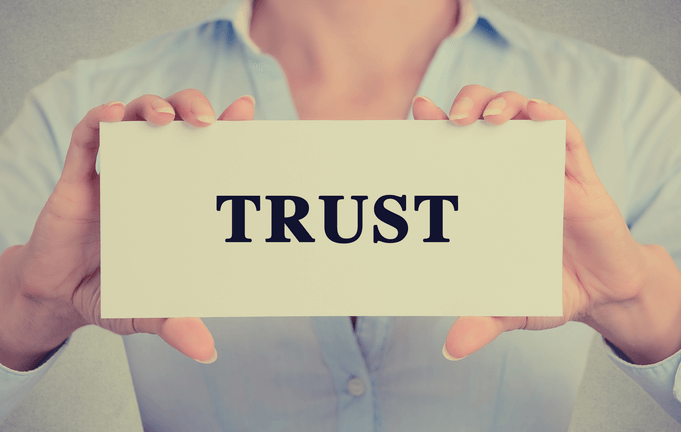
x: 352, y: 368
x: 341, y: 353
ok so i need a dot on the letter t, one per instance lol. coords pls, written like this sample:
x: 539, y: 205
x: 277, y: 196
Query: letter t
x: 238, y: 215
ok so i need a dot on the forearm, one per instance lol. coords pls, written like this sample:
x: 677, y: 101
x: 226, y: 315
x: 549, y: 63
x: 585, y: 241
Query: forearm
x: 28, y: 329
x: 647, y: 328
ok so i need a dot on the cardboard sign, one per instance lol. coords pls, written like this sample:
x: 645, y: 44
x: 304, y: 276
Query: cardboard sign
x: 326, y: 218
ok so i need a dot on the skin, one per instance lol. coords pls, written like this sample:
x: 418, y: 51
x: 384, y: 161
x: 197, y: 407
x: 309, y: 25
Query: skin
x: 49, y: 287
x: 51, y: 284
x: 627, y: 291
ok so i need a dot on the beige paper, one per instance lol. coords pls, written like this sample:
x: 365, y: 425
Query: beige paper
x: 164, y: 252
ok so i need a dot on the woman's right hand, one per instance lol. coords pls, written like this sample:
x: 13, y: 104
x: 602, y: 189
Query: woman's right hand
x: 50, y: 286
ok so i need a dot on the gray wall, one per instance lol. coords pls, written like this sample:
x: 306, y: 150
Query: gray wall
x: 90, y: 387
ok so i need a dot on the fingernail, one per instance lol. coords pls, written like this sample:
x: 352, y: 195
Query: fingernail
x: 448, y: 356
x: 203, y: 112
x: 496, y: 106
x: 539, y: 101
x: 110, y: 104
x: 461, y: 109
x: 249, y: 97
x: 421, y: 98
x: 210, y: 360
x: 162, y: 107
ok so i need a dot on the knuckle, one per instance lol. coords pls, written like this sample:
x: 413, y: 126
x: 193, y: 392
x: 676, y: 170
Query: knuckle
x: 92, y: 117
x: 477, y: 89
x: 146, y: 99
x: 91, y: 121
x: 94, y: 111
x: 191, y: 93
x: 512, y: 96
x: 472, y: 88
x: 508, y: 94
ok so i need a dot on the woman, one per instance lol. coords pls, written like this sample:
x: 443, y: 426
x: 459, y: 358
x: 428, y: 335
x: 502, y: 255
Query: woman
x: 339, y: 61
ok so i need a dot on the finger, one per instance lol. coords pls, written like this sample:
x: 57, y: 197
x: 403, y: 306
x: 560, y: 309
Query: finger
x: 190, y: 336
x: 153, y: 109
x: 79, y: 165
x: 425, y: 109
x: 469, y: 104
x: 469, y: 334
x: 578, y: 165
x: 506, y: 106
x: 241, y: 109
x: 193, y: 107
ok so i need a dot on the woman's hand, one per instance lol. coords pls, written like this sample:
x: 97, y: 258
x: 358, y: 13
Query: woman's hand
x: 605, y: 271
x: 51, y: 286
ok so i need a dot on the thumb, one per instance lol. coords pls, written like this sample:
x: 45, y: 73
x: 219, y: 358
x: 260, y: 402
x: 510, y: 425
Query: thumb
x: 469, y: 334
x: 190, y: 336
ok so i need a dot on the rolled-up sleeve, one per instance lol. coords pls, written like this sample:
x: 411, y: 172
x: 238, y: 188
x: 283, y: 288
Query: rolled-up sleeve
x: 662, y: 380
x: 15, y: 385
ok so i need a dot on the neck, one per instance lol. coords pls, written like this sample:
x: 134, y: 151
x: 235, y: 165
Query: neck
x: 353, y: 46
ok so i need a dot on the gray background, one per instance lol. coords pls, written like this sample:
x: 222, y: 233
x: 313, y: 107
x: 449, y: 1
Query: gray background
x: 90, y: 388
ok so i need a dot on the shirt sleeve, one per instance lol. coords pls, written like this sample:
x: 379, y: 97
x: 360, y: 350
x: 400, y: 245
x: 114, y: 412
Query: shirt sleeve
x: 662, y: 381
x: 32, y: 152
x: 652, y: 122
x: 15, y: 385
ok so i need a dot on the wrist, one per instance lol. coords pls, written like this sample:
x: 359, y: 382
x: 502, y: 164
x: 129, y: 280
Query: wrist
x: 647, y: 326
x: 29, y: 327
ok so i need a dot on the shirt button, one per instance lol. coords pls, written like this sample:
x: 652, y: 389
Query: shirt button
x: 356, y: 387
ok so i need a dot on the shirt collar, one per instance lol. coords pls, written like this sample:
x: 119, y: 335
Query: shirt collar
x: 238, y: 12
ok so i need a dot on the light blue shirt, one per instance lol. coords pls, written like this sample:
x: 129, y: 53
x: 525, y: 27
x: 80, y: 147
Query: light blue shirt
x: 316, y: 373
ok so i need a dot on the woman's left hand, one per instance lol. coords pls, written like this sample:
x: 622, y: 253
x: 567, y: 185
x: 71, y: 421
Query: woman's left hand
x: 602, y: 263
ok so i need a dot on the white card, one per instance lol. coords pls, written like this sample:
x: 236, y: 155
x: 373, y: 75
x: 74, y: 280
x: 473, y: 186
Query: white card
x: 498, y: 191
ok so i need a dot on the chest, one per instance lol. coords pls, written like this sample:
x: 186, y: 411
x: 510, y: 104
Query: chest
x: 317, y: 374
